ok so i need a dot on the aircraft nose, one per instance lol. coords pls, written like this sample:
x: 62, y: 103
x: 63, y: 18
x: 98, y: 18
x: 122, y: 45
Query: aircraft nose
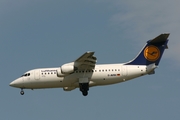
x: 17, y: 83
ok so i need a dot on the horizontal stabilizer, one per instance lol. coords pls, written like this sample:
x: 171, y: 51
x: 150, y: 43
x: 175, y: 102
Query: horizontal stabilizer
x: 159, y: 39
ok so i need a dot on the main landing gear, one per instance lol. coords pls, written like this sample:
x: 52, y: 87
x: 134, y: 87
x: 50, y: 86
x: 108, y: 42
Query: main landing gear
x: 22, y: 91
x: 84, y: 87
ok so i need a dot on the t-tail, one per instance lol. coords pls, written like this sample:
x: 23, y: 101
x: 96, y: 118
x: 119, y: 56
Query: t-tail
x: 152, y: 52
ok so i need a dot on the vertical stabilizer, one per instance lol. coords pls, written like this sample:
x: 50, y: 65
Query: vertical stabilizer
x: 152, y: 52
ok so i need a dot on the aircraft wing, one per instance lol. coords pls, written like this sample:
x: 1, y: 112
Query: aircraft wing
x: 86, y: 61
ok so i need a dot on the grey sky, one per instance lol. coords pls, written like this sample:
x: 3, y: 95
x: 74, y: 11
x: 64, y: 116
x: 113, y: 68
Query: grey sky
x: 43, y: 33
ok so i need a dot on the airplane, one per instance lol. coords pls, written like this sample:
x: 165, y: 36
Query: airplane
x: 83, y: 73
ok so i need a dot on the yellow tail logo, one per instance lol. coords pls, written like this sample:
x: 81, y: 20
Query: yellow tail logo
x: 151, y: 53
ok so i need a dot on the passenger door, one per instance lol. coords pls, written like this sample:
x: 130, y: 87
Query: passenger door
x: 36, y: 74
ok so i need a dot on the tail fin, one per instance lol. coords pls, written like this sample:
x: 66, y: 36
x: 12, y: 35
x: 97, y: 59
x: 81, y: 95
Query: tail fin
x: 152, y: 52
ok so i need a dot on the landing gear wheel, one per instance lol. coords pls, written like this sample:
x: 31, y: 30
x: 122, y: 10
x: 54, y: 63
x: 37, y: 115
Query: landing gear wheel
x: 84, y: 87
x: 22, y: 92
x: 85, y: 93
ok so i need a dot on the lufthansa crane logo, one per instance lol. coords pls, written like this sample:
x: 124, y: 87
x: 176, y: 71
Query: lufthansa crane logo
x: 151, y: 53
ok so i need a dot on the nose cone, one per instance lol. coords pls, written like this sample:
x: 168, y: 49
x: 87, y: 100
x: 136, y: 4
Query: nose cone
x: 17, y: 83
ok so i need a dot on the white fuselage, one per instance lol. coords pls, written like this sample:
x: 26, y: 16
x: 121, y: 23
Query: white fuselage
x: 104, y: 74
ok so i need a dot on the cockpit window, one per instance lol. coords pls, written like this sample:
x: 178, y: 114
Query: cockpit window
x: 26, y: 74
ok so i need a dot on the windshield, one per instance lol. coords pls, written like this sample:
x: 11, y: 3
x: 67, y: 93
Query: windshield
x: 26, y: 74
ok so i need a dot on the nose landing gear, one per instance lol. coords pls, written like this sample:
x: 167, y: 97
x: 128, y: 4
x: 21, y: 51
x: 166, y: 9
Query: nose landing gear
x: 22, y: 91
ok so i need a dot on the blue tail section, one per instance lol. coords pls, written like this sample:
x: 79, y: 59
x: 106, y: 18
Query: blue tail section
x: 152, y: 52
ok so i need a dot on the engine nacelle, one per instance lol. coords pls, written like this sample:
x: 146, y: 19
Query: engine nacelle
x: 67, y: 69
x: 68, y: 88
x: 59, y: 73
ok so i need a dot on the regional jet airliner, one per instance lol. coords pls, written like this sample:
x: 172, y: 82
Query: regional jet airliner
x: 84, y: 73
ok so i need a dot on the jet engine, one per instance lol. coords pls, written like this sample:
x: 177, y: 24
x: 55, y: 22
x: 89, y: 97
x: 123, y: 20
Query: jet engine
x: 69, y: 88
x: 66, y: 69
